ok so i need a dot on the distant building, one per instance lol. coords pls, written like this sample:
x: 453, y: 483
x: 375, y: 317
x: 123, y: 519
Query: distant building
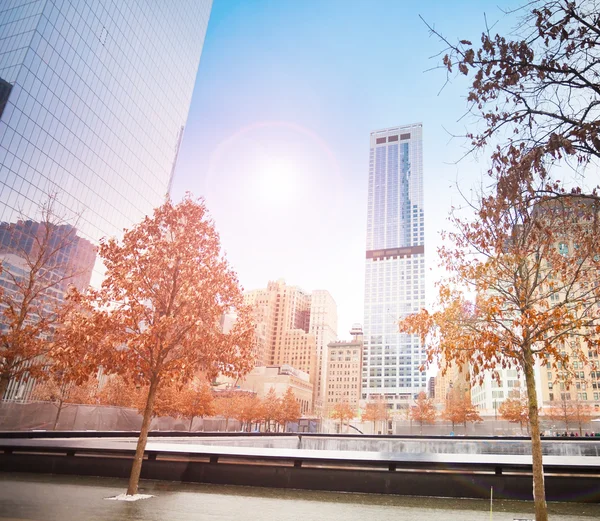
x: 74, y: 260
x: 323, y: 326
x: 488, y: 395
x: 431, y: 387
x: 280, y: 377
x: 293, y: 328
x: 576, y: 380
x: 444, y: 383
x: 70, y: 261
x: 344, y: 369
x: 394, y: 265
x: 227, y: 322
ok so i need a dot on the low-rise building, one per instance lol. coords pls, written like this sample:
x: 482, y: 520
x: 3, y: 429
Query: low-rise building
x: 344, y: 369
x: 280, y: 377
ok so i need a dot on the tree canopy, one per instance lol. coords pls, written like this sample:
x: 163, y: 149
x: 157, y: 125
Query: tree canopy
x: 156, y: 317
x: 423, y: 411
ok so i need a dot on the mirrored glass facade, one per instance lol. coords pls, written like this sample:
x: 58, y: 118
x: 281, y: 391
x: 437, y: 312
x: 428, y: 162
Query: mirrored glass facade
x: 395, y: 265
x: 94, y: 96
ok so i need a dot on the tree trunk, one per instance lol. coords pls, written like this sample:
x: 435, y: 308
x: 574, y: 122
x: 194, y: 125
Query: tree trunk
x: 4, y: 381
x: 59, y: 407
x: 191, y: 423
x: 539, y: 492
x: 136, y: 469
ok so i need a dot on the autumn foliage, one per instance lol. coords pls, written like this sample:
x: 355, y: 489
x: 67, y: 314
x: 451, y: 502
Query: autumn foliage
x: 343, y: 412
x: 538, y: 92
x: 458, y: 408
x: 530, y: 252
x: 375, y: 411
x: 569, y: 412
x: 269, y: 413
x: 31, y: 298
x: 156, y: 318
x: 59, y: 389
x: 515, y: 409
x: 423, y: 411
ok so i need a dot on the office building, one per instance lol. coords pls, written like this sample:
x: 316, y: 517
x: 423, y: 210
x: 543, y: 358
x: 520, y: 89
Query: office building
x: 280, y: 378
x: 394, y: 266
x: 344, y: 370
x: 293, y: 328
x: 94, y: 98
x: 323, y: 326
x: 453, y: 378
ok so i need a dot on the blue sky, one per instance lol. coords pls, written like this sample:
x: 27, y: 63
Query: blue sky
x: 277, y: 138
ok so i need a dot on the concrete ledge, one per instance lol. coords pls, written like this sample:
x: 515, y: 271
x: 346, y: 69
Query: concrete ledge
x: 415, y: 483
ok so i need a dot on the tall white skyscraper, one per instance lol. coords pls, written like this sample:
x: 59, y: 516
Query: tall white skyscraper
x: 395, y: 265
x: 323, y: 325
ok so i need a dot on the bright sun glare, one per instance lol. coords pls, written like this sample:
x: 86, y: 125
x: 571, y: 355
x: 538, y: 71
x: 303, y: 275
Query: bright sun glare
x: 276, y: 183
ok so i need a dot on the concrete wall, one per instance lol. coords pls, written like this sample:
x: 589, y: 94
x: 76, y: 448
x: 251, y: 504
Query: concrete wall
x: 15, y: 416
x: 489, y: 427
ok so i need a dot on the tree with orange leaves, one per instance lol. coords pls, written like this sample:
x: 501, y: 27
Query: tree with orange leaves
x: 458, y: 408
x: 515, y: 409
x: 343, y: 412
x: 530, y: 253
x: 375, y: 411
x: 59, y: 388
x: 423, y: 411
x: 289, y: 408
x: 194, y: 400
x: 532, y: 263
x: 249, y: 410
x: 37, y: 263
x: 569, y: 412
x: 271, y: 409
x: 227, y: 405
x: 156, y: 317
x: 118, y: 392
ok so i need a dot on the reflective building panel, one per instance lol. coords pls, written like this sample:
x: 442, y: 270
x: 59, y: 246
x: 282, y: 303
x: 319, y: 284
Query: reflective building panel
x: 94, y: 96
x: 395, y: 265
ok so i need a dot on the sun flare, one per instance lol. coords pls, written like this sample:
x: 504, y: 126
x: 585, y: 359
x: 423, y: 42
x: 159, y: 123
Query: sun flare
x: 276, y: 183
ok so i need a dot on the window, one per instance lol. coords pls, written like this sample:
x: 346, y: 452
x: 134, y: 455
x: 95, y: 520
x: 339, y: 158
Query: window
x: 380, y: 140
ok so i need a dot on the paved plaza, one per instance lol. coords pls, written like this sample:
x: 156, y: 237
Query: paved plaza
x: 29, y: 497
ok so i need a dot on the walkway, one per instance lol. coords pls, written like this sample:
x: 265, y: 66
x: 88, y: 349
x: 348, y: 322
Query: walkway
x: 28, y: 497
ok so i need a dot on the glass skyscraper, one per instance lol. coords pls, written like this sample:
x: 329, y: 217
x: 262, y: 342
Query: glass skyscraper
x: 395, y: 266
x: 94, y: 97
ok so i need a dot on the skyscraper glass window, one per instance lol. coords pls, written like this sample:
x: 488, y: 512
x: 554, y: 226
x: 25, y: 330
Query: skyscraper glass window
x: 94, y: 96
x: 395, y: 265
